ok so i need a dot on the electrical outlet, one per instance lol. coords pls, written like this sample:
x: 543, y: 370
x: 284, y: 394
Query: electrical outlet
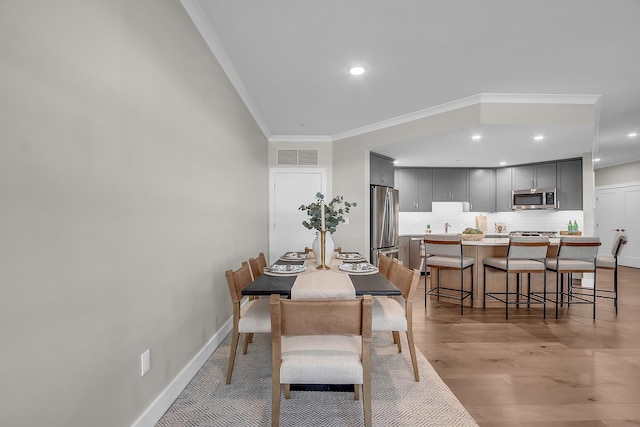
x: 145, y: 362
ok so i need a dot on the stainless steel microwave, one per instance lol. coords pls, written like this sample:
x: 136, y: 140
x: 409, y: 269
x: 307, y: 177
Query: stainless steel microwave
x: 534, y: 198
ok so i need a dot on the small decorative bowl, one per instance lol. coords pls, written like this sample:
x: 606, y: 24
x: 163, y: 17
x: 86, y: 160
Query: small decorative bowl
x: 472, y: 236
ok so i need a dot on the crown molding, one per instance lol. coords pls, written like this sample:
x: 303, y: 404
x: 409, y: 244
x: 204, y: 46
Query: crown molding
x: 406, y: 118
x: 538, y: 98
x: 300, y: 138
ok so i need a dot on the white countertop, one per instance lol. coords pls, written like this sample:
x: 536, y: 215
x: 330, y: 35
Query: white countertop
x: 504, y: 241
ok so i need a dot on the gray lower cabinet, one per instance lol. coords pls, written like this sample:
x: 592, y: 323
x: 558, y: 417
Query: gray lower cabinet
x: 503, y: 190
x: 569, y: 185
x: 403, y: 254
x: 542, y: 175
x: 381, y: 170
x: 451, y: 185
x: 482, y: 190
x: 409, y: 252
x: 415, y: 189
x: 414, y: 253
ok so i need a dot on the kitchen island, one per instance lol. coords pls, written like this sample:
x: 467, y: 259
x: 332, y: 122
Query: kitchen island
x: 492, y: 247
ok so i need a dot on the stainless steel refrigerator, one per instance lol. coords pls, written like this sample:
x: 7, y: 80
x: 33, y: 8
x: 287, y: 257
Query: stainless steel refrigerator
x: 384, y: 222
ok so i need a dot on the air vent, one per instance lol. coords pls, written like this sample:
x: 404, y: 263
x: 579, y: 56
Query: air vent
x: 288, y: 157
x: 298, y: 157
x: 308, y: 157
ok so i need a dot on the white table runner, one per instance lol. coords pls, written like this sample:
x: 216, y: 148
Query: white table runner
x: 323, y: 284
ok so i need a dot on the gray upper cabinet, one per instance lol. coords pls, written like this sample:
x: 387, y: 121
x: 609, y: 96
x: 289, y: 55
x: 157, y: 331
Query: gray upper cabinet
x: 407, y: 185
x: 503, y: 190
x: 451, y: 185
x: 381, y: 170
x: 569, y: 185
x: 425, y: 189
x: 482, y: 190
x: 415, y: 188
x: 542, y: 175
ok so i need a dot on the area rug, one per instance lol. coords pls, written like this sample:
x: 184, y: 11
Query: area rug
x: 397, y: 400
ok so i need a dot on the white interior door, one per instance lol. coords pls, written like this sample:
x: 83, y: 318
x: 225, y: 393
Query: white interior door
x: 616, y: 209
x: 609, y: 216
x: 291, y: 188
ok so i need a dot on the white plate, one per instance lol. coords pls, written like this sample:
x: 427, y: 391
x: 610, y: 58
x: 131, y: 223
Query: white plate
x: 362, y: 267
x: 294, y: 256
x: 351, y: 256
x: 285, y: 269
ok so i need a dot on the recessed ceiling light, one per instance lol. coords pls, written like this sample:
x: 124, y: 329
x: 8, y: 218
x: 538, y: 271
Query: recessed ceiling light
x: 396, y: 162
x: 538, y: 137
x: 633, y: 134
x: 597, y: 159
x: 357, y: 70
x: 503, y: 163
x: 476, y: 137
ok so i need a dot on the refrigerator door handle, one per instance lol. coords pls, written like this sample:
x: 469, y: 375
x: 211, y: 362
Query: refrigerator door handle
x: 393, y: 250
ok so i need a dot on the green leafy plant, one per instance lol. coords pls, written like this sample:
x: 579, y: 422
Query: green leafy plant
x: 470, y: 230
x: 333, y: 213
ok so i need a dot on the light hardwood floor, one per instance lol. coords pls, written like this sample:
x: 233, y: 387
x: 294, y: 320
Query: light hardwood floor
x: 526, y: 371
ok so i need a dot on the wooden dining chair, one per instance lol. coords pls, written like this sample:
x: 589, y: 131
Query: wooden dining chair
x: 252, y: 317
x: 395, y: 314
x: 386, y: 265
x: 321, y: 342
x: 257, y: 265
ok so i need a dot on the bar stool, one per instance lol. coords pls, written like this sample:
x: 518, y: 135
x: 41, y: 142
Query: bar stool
x: 524, y: 255
x: 610, y: 262
x: 576, y: 254
x: 444, y: 251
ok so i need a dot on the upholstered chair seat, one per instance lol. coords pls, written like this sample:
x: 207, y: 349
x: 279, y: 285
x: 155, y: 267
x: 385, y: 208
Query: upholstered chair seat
x: 321, y: 359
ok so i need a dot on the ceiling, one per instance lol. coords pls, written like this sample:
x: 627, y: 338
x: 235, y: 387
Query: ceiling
x: 568, y: 70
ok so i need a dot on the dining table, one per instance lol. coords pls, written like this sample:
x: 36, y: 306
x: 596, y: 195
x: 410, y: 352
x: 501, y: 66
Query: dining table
x: 295, y: 274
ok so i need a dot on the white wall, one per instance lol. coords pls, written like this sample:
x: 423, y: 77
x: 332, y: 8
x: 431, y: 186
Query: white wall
x: 131, y: 177
x: 621, y: 174
x: 414, y: 223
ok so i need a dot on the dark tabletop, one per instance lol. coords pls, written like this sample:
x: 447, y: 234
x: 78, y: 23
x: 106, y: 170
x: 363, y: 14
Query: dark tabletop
x: 364, y: 284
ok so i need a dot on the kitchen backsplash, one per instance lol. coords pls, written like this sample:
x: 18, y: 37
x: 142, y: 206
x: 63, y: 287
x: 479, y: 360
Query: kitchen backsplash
x: 414, y: 223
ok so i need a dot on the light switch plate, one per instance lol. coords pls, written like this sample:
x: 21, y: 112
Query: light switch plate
x: 145, y: 362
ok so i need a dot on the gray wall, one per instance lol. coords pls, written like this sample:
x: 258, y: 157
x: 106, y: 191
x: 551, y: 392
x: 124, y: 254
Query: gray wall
x: 131, y: 177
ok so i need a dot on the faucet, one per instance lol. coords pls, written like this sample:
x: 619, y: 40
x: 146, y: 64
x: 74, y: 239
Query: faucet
x: 446, y: 227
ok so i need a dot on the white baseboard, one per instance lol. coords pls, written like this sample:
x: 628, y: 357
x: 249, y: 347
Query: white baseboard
x: 159, y: 406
